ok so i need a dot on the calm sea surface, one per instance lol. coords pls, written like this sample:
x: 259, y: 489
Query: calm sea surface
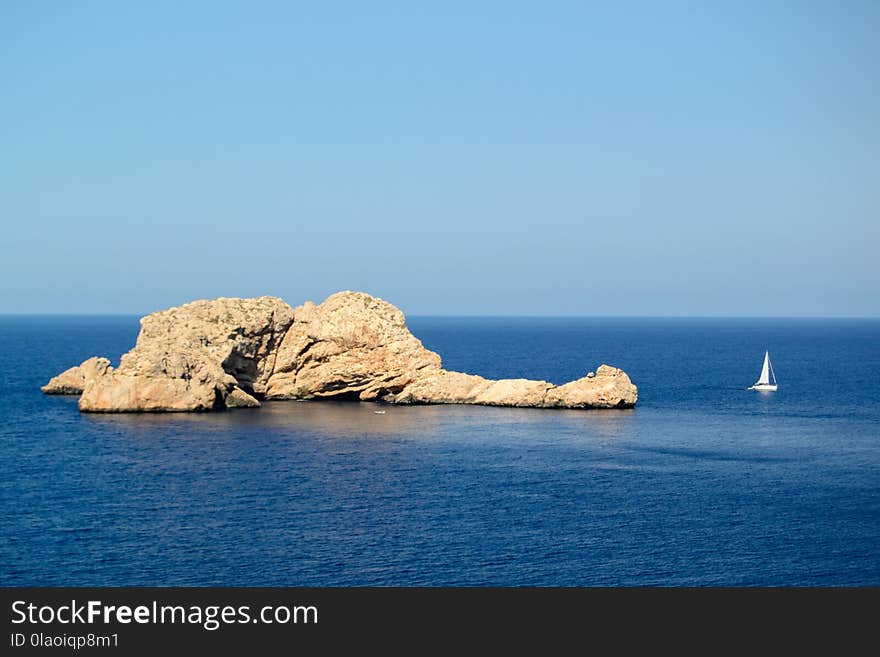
x: 704, y: 483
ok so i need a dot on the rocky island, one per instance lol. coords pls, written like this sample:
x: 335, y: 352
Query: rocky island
x: 232, y: 353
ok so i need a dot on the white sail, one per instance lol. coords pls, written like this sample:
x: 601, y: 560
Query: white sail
x: 763, y: 383
x: 764, y: 379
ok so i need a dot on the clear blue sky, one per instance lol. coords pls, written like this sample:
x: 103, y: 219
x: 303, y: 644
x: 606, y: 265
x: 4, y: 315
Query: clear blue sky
x: 619, y: 158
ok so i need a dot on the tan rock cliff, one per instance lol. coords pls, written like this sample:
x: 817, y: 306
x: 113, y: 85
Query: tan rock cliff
x: 196, y: 357
x: 351, y: 345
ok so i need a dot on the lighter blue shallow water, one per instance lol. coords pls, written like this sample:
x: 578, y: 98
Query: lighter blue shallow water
x: 704, y: 483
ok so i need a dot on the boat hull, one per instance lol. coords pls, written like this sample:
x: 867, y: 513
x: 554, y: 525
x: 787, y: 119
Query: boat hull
x: 765, y: 387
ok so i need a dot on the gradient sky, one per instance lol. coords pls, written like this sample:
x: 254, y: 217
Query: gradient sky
x: 619, y: 158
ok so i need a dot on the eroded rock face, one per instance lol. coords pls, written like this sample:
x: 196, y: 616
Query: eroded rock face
x: 196, y: 357
x: 230, y: 353
x: 352, y: 345
x: 122, y: 393
x: 74, y: 380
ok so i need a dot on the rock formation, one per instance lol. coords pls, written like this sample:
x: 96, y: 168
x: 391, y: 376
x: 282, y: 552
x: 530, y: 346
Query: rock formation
x: 229, y: 353
x: 199, y: 356
x: 74, y: 380
x: 608, y: 387
x: 352, y: 345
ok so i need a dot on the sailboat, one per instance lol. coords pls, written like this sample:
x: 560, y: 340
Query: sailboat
x: 763, y: 382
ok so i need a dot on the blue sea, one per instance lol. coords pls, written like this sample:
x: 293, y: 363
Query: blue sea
x: 704, y: 483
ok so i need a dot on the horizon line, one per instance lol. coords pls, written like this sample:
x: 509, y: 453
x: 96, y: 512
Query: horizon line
x: 491, y: 316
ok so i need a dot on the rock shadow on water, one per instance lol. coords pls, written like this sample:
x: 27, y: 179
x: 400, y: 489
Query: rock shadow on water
x: 342, y: 419
x: 352, y: 420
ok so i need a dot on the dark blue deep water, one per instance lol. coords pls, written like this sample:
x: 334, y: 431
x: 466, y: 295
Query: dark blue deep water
x: 704, y: 483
